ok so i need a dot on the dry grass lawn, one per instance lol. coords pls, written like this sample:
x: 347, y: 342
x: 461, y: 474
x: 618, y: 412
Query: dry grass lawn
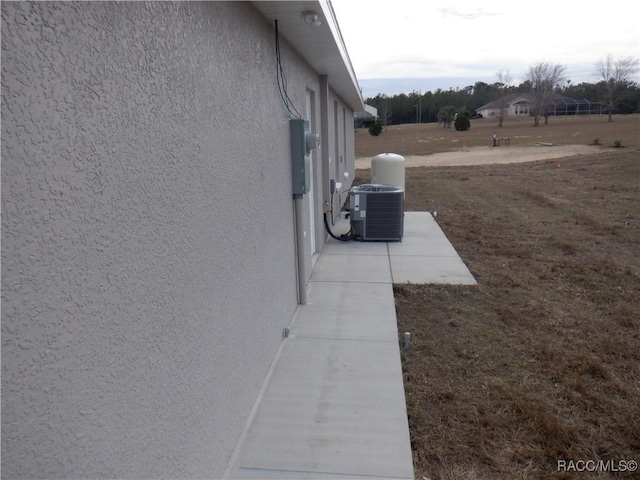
x: 424, y: 139
x: 540, y: 362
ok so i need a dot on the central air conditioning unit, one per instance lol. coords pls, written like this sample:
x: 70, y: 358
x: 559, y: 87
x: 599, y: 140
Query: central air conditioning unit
x: 377, y: 212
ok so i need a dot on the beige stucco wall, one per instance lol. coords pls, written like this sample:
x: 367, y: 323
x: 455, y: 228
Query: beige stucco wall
x: 148, y: 260
x: 340, y: 147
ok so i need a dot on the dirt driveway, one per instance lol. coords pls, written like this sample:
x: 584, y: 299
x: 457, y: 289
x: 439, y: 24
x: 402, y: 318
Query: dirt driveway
x: 490, y: 155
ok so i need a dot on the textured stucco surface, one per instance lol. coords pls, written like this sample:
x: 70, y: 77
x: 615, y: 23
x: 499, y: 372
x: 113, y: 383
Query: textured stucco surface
x: 148, y: 261
x: 341, y: 147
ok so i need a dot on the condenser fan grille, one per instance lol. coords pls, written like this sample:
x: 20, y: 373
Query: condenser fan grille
x: 383, y: 220
x: 377, y: 212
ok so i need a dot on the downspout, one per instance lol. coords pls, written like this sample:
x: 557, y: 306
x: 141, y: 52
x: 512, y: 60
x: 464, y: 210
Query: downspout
x: 298, y: 206
x: 324, y: 139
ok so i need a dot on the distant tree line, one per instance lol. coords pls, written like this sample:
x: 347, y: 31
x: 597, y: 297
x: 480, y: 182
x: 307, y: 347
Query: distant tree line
x: 440, y: 105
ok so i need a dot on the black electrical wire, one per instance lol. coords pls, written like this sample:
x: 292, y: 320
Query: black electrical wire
x: 278, y: 72
x: 332, y: 222
x: 284, y: 84
x: 344, y: 237
x: 282, y: 81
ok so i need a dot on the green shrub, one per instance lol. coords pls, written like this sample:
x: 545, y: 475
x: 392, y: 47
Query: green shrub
x: 462, y: 122
x: 596, y: 141
x: 375, y: 129
x: 617, y: 143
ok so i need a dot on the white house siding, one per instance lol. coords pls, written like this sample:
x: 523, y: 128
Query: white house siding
x: 519, y: 109
x: 489, y: 112
x: 148, y: 246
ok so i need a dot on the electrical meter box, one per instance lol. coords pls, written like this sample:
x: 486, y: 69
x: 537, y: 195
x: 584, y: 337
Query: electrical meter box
x: 302, y: 142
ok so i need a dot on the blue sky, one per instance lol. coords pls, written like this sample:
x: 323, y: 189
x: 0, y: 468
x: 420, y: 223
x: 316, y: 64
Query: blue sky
x: 398, y: 46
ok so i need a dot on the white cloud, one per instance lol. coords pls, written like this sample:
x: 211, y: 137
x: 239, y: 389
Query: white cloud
x: 468, y: 14
x: 432, y: 39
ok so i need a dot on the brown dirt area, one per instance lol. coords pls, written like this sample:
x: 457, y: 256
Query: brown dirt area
x: 490, y: 155
x: 539, y: 363
x: 563, y: 136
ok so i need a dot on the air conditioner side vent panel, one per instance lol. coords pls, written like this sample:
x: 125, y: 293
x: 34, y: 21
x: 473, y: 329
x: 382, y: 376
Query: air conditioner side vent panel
x: 377, y: 212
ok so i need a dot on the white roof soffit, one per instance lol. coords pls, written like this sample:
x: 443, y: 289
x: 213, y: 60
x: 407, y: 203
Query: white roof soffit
x: 321, y: 46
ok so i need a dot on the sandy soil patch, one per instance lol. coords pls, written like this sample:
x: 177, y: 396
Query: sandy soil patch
x: 490, y: 155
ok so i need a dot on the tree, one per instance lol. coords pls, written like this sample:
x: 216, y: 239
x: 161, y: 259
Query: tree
x: 482, y: 93
x: 383, y: 103
x: 445, y: 115
x: 400, y: 108
x: 375, y: 129
x: 615, y: 75
x: 416, y: 97
x: 462, y: 122
x: 385, y: 111
x: 544, y: 78
x: 504, y: 79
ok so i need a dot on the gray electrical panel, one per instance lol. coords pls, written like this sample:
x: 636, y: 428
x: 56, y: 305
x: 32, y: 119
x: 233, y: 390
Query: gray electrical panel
x: 302, y: 142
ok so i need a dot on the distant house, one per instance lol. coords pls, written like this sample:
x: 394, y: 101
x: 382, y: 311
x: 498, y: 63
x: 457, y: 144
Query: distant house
x: 521, y: 104
x: 369, y: 114
x: 152, y: 248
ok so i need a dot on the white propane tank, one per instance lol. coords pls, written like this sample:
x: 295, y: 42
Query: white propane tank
x: 388, y: 169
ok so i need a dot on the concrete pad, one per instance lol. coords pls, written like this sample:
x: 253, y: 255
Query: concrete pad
x: 260, y: 473
x: 433, y: 246
x: 332, y: 407
x: 354, y: 247
x: 342, y: 293
x: 442, y: 270
x: 352, y: 268
x: 363, y: 311
x: 420, y: 224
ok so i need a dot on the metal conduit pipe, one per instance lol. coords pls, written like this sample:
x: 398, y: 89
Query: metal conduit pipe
x: 298, y: 206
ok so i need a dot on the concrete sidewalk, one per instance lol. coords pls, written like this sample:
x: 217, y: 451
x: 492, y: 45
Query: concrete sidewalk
x: 334, y: 405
